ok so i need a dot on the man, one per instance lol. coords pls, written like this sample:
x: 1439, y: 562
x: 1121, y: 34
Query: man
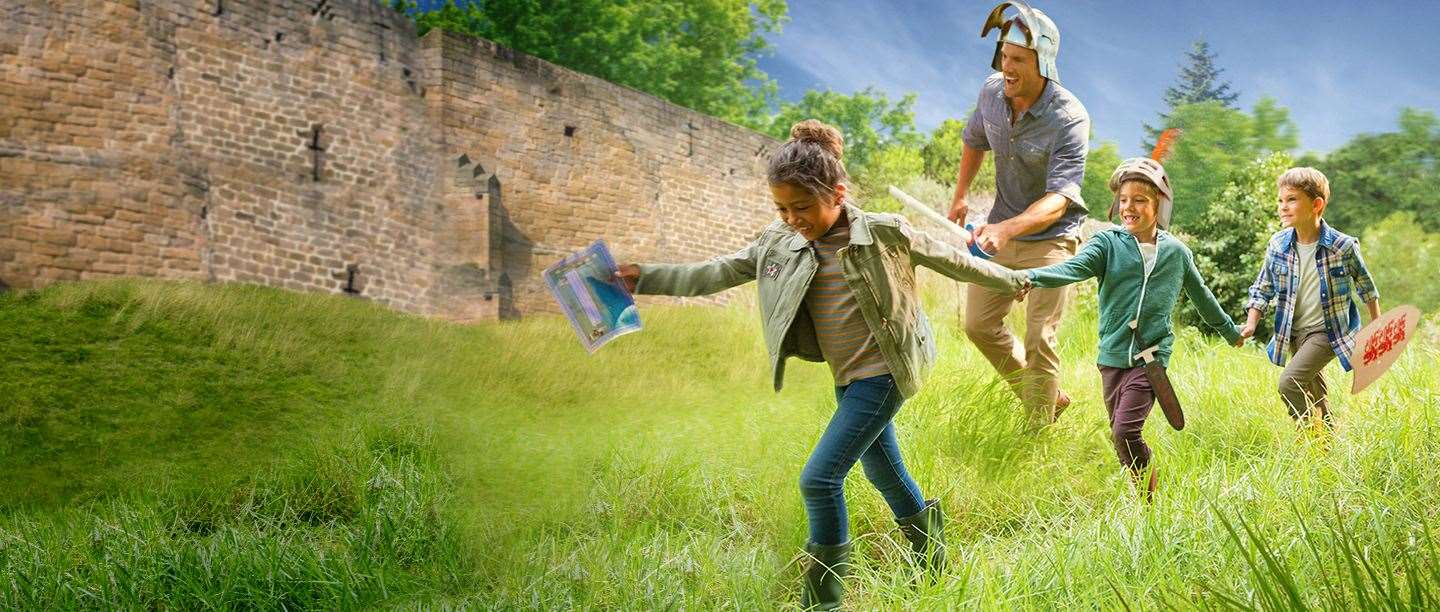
x: 1040, y: 135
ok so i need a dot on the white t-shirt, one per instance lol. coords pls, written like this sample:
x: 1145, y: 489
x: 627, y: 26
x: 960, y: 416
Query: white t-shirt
x: 1147, y: 252
x: 1307, y: 295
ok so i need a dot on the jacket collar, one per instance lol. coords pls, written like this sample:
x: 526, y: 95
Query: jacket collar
x: 859, y: 230
x: 1160, y: 235
x: 1327, y: 236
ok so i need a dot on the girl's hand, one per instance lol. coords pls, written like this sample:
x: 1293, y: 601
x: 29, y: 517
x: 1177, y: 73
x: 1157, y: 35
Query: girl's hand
x: 1024, y: 289
x: 629, y: 275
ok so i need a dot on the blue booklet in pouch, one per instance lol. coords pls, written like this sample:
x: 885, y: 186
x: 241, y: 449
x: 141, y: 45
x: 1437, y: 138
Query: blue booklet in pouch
x: 597, y: 304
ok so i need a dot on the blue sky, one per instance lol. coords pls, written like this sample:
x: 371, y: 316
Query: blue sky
x: 1341, y: 68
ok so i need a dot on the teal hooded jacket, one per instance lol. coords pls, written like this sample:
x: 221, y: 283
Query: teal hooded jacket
x: 1128, y: 296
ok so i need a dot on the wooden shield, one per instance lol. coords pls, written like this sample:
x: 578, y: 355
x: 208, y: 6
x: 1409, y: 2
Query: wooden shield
x: 1380, y: 343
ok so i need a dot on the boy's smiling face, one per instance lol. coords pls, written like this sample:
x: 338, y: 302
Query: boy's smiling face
x: 1138, y: 206
x: 809, y: 214
x: 1297, y: 208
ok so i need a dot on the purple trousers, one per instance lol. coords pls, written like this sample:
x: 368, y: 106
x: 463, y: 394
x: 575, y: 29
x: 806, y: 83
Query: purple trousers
x: 1128, y: 400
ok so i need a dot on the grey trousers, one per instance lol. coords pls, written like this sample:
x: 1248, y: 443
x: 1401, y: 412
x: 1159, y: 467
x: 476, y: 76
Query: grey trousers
x: 1302, y: 384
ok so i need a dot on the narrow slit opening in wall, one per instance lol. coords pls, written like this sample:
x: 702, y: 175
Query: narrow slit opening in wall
x: 279, y: 36
x: 317, y: 152
x: 219, y: 7
x: 380, y: 32
x: 569, y: 131
x: 351, y: 271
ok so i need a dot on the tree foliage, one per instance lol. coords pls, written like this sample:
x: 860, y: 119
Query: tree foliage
x: 1375, y: 175
x: 942, y: 158
x: 699, y: 54
x: 1395, y: 249
x: 1216, y: 142
x: 1230, y: 237
x: 1101, y: 161
x: 1199, y: 81
x: 868, y: 119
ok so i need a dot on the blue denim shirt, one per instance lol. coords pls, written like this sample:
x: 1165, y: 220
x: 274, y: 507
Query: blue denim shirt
x: 1043, y: 152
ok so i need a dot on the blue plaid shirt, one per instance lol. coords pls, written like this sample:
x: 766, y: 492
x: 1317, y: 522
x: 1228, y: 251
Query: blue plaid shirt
x: 1342, y: 275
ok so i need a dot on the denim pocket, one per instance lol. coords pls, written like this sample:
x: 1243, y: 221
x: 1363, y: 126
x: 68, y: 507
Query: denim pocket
x: 1032, y: 154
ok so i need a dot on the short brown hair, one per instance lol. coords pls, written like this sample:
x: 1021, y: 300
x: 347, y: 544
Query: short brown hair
x: 810, y: 160
x: 1308, y: 180
x: 1144, y: 182
x: 1150, y: 188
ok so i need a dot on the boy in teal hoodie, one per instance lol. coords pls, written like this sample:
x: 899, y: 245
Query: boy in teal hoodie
x: 1142, y: 269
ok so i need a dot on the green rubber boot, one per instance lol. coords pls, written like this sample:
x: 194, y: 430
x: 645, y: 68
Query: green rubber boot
x: 926, y: 532
x: 828, y: 567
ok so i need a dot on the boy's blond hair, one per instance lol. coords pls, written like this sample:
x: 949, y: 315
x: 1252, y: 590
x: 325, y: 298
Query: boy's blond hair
x: 1308, y: 180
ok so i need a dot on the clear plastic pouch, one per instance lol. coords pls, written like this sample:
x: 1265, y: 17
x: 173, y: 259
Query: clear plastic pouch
x: 597, y: 304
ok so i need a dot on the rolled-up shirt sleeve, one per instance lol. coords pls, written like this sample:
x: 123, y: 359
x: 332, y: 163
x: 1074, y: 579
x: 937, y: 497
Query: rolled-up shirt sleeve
x: 974, y: 133
x: 1066, y: 172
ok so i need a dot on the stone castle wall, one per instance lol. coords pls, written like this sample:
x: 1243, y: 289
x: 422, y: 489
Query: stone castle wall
x: 319, y: 145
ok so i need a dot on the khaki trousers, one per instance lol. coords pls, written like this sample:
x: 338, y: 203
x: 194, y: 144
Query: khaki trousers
x: 1302, y: 383
x: 1031, y: 369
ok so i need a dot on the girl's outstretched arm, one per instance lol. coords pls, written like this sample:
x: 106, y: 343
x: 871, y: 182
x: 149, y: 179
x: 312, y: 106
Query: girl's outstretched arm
x: 1088, y: 263
x: 959, y: 265
x: 690, y: 279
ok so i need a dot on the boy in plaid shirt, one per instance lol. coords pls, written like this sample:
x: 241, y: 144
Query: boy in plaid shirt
x: 1311, y: 272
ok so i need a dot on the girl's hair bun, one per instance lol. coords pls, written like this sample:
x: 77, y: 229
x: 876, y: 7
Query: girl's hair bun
x: 826, y: 136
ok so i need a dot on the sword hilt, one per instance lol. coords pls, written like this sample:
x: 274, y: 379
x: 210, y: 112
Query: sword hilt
x: 1147, y: 355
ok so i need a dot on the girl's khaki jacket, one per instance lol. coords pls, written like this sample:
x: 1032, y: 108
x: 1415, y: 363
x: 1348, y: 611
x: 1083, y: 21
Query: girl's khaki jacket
x: 879, y: 265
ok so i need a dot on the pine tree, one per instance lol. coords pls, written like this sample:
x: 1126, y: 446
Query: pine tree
x: 1199, y: 82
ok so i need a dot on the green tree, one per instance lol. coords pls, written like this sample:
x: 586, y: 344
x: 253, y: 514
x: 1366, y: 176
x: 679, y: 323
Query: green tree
x: 1230, y: 237
x: 1101, y: 161
x: 867, y: 119
x: 1375, y: 175
x: 1218, y: 141
x: 942, y: 158
x: 699, y: 54
x: 1199, y: 81
x: 896, y: 164
x: 1271, y: 128
x: 1395, y: 248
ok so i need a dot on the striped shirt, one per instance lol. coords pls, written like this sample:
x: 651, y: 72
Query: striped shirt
x: 845, y: 339
x: 1343, y: 275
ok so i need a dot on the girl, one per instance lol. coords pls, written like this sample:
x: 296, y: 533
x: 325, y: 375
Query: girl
x: 1142, y: 271
x: 837, y: 284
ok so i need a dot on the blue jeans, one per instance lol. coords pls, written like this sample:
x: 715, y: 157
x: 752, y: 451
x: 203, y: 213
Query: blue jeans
x: 861, y: 429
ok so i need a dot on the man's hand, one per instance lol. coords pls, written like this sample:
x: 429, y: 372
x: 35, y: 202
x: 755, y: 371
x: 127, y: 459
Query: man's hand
x: 992, y: 237
x: 629, y: 274
x: 958, y: 209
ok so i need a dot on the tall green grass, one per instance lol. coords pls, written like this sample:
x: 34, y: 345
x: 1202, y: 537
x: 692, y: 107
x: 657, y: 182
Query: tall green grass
x: 226, y: 447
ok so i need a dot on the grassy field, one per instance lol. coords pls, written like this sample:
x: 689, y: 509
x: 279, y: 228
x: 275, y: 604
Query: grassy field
x: 186, y: 446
